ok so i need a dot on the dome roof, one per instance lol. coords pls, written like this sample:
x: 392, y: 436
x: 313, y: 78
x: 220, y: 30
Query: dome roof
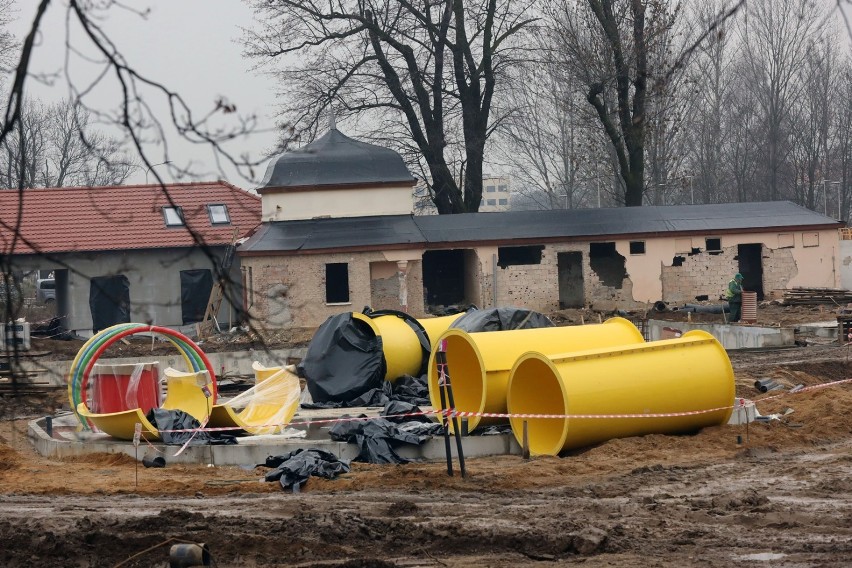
x: 335, y: 160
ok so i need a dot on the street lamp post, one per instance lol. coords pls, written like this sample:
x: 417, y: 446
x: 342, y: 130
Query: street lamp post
x: 691, y: 191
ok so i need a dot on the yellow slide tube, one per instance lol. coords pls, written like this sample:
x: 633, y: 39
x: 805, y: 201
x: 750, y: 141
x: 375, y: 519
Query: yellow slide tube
x: 435, y: 327
x: 261, y: 372
x: 688, y: 374
x: 479, y: 363
x: 402, y: 350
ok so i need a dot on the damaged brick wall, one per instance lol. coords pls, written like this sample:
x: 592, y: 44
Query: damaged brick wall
x: 698, y: 273
x: 536, y: 286
x: 384, y: 286
x: 707, y: 273
x: 779, y: 267
x: 289, y: 291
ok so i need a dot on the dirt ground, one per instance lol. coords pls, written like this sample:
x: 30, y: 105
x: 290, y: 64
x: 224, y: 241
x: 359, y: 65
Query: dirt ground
x: 780, y: 495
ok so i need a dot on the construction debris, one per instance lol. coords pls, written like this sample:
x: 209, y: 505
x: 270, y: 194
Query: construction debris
x: 814, y: 296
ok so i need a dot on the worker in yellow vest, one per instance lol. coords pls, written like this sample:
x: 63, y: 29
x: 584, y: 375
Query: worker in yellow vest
x: 734, y: 295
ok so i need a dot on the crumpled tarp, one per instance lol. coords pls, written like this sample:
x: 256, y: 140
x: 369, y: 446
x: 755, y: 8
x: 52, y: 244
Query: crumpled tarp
x: 167, y: 420
x: 377, y: 437
x: 414, y: 390
x: 343, y: 361
x: 293, y: 470
x: 501, y: 319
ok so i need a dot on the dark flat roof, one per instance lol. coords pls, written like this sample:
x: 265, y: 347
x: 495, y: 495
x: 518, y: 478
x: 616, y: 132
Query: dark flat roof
x: 573, y: 224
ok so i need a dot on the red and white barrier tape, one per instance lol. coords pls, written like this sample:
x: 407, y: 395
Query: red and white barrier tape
x: 452, y: 413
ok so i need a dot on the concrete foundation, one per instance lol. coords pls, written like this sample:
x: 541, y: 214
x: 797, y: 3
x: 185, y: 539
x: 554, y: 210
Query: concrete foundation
x: 66, y: 441
x: 731, y: 336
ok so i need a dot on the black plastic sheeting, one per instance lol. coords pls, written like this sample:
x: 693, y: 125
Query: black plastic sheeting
x: 293, y: 470
x: 376, y: 438
x: 195, y: 288
x: 166, y: 420
x: 414, y: 390
x: 109, y: 301
x: 501, y: 319
x: 344, y: 360
x: 345, y: 364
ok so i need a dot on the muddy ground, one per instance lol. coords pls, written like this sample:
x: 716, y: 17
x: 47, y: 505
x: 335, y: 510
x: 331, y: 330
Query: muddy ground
x: 780, y: 497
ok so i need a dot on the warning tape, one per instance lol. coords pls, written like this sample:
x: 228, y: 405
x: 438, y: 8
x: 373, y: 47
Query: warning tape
x: 453, y: 413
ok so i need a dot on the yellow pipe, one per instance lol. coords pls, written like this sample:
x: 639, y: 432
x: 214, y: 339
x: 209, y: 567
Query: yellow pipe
x: 479, y: 363
x: 688, y: 374
x: 435, y: 327
x: 402, y: 351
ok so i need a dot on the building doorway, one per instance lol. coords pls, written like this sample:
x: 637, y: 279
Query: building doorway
x: 571, y: 292
x: 449, y: 278
x: 750, y: 259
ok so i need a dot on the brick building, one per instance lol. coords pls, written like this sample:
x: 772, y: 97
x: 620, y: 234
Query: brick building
x: 342, y: 236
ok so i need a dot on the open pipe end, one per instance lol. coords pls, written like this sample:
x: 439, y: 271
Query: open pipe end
x: 467, y: 375
x: 535, y: 388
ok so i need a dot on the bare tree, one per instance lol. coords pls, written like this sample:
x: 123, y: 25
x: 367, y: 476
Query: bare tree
x: 55, y: 146
x: 776, y: 36
x: 432, y: 68
x: 811, y: 120
x: 710, y: 83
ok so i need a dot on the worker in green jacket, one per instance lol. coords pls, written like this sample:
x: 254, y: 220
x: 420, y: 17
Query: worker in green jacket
x: 734, y: 295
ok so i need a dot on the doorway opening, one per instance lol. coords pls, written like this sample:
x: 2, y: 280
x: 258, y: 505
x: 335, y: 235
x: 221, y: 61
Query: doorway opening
x: 571, y: 292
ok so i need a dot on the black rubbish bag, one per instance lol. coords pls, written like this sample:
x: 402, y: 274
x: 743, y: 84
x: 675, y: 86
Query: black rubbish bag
x: 373, y: 397
x: 414, y: 390
x: 501, y: 319
x: 400, y: 411
x: 375, y: 439
x: 293, y: 470
x: 344, y: 360
x: 167, y: 420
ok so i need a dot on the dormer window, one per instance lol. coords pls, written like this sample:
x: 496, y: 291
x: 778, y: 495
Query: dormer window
x: 173, y: 216
x: 218, y: 214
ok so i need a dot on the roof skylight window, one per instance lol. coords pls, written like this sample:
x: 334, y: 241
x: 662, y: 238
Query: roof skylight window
x: 218, y: 214
x: 173, y: 216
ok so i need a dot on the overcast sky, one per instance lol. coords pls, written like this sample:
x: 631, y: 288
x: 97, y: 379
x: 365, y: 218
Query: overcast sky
x: 190, y: 46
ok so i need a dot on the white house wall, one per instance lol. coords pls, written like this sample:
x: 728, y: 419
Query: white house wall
x: 291, y: 205
x: 154, y: 278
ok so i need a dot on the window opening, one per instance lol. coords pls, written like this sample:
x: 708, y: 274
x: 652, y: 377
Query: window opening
x: 337, y: 283
x: 637, y: 247
x: 515, y: 256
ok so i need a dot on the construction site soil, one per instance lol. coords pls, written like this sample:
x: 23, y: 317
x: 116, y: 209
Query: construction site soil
x: 776, y: 493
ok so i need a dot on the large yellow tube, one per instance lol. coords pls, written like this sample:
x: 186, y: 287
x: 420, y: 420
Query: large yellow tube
x: 479, y: 363
x: 688, y: 374
x: 402, y: 350
x: 436, y: 326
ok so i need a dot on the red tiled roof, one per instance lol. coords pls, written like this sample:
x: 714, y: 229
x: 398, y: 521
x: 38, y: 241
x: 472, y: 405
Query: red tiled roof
x: 70, y: 219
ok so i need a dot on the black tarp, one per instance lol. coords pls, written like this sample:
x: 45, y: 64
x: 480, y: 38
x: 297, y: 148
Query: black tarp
x: 293, y: 470
x: 414, y: 390
x: 168, y: 420
x: 109, y: 301
x: 375, y: 438
x: 195, y: 288
x: 344, y: 360
x: 501, y: 319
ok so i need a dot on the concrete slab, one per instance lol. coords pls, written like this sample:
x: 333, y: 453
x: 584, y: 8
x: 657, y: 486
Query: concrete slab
x: 732, y: 336
x: 66, y: 441
x: 822, y: 329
